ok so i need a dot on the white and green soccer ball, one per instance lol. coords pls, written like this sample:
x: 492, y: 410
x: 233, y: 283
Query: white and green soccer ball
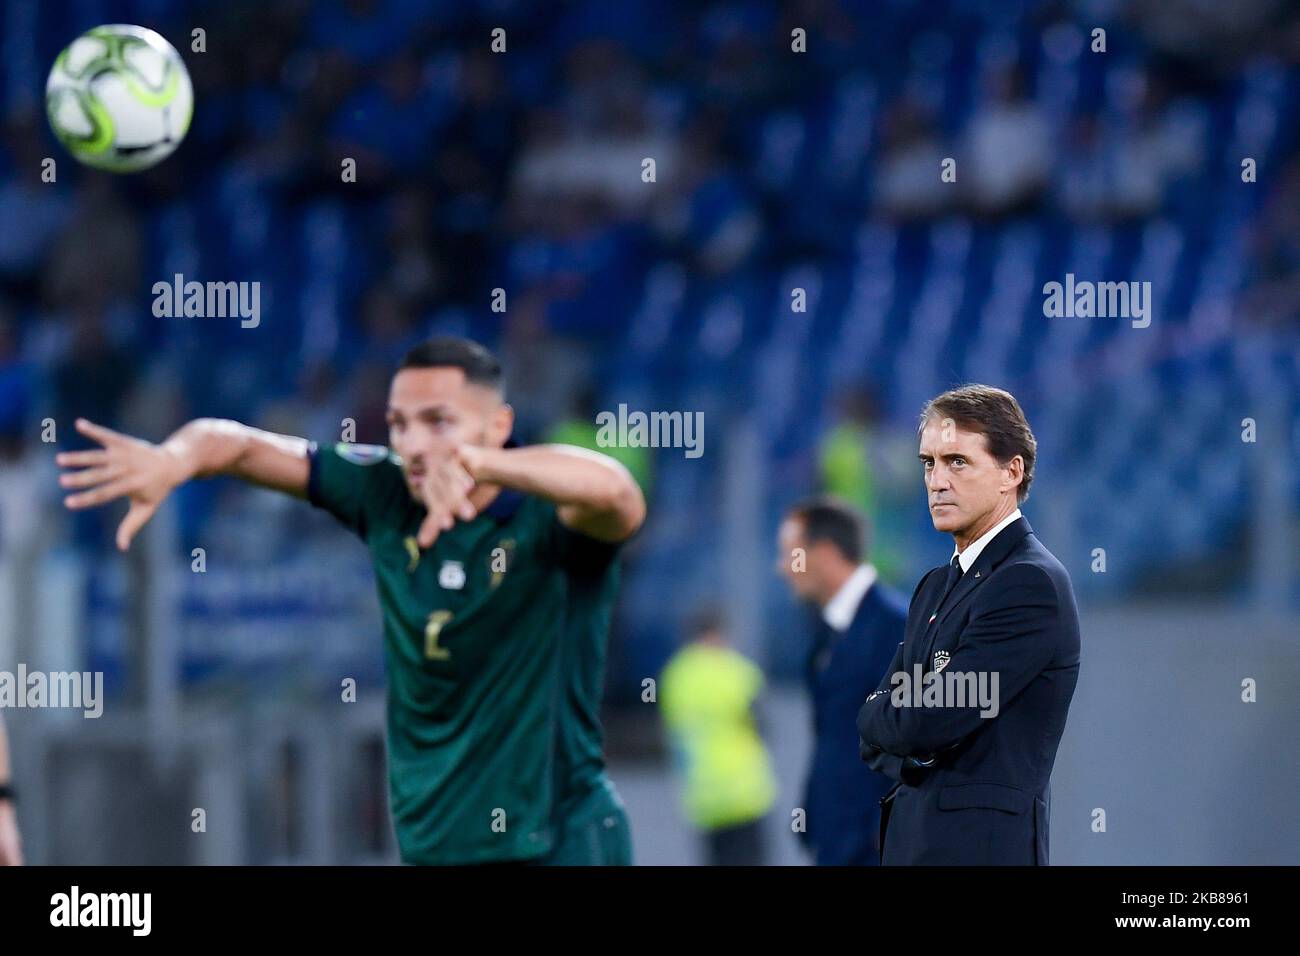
x: 119, y: 98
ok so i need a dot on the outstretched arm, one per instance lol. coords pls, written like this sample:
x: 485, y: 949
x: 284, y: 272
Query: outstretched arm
x: 593, y: 493
x: 145, y: 473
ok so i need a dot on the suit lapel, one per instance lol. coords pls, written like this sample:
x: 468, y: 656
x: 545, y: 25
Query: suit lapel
x: 829, y: 641
x: 864, y: 611
x: 819, y: 654
x: 994, y: 553
x: 918, y: 637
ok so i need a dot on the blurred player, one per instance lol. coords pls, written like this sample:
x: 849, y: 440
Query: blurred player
x: 496, y: 574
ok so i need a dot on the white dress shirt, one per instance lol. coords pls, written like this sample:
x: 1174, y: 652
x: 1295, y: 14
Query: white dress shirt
x: 967, y: 558
x: 840, y: 609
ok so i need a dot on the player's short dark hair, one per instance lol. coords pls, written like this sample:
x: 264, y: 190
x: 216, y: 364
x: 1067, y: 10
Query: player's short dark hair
x: 827, y: 518
x: 480, y: 366
x: 995, y: 414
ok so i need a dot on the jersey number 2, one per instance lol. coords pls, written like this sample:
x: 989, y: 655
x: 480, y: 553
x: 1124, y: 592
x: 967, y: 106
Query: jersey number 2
x: 437, y: 621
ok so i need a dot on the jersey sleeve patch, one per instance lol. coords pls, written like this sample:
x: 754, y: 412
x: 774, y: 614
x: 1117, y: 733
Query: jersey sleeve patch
x: 361, y: 454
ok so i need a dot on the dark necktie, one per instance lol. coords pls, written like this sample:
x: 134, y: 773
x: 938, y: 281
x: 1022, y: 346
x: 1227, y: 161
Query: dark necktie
x: 954, y: 575
x: 950, y: 582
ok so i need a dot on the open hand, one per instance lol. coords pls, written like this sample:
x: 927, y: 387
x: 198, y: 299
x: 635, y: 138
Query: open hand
x: 444, y: 490
x: 124, y: 467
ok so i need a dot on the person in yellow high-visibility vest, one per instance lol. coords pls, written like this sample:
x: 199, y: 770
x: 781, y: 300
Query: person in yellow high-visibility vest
x: 707, y: 693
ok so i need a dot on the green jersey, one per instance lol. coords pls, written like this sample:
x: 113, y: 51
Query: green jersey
x: 593, y: 575
x: 482, y: 660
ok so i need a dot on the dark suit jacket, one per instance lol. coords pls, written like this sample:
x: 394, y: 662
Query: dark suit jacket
x: 985, y: 797
x: 842, y: 794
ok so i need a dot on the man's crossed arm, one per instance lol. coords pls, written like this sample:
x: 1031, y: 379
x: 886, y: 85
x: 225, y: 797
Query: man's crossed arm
x: 1012, y: 638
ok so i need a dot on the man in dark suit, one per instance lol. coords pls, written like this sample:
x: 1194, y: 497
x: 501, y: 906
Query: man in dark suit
x: 999, y: 623
x: 822, y: 553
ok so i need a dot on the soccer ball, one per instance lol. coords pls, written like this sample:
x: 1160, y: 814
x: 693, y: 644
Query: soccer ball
x: 119, y: 98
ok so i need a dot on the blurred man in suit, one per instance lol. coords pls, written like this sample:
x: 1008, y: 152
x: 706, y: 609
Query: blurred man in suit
x: 822, y: 553
x: 973, y: 775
